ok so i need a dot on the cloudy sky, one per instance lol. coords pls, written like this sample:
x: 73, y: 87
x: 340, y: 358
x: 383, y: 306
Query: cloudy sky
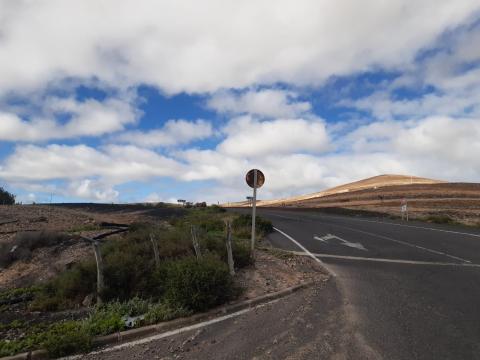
x: 126, y: 101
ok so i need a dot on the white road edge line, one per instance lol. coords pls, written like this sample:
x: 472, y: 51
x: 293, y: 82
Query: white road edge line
x: 308, y: 253
x: 416, y: 227
x: 395, y: 240
x: 406, y: 225
x: 385, y: 223
x: 404, y: 243
x: 170, y: 333
x: 397, y: 261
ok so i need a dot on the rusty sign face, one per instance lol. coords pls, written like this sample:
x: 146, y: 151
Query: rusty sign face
x: 249, y: 178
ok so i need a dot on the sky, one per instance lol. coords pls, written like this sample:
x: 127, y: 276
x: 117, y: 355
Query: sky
x: 139, y: 101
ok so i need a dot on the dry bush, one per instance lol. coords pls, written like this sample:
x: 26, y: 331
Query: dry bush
x: 22, y: 246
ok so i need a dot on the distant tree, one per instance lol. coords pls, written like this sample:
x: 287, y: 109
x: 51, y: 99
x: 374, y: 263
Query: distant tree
x: 6, y: 198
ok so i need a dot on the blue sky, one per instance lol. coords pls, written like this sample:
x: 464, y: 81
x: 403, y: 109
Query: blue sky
x: 121, y: 103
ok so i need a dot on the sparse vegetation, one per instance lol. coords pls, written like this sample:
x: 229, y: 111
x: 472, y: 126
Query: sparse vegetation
x: 197, y: 284
x: 134, y: 284
x: 68, y: 337
x: 441, y: 219
x: 18, y: 294
x: 243, y: 223
x: 86, y: 227
x: 24, y: 243
x: 281, y: 254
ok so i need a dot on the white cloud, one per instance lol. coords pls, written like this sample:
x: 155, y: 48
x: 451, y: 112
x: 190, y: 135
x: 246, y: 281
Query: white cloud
x: 250, y: 137
x: 266, y: 103
x: 115, y: 164
x: 88, y: 118
x: 194, y: 46
x: 156, y: 198
x: 437, y: 147
x: 174, y: 132
x: 91, y: 190
x: 219, y: 47
x: 451, y: 74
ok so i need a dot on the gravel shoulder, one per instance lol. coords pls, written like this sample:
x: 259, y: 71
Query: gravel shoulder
x: 309, y: 324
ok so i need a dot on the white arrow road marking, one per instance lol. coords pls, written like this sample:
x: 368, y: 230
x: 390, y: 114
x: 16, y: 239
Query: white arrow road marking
x: 343, y: 241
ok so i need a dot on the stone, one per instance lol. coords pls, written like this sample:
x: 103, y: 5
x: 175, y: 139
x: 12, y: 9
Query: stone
x: 88, y: 301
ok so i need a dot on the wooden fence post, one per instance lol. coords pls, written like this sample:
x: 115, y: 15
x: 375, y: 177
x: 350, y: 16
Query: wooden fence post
x: 196, y: 245
x: 231, y: 265
x: 100, y: 279
x: 155, y: 250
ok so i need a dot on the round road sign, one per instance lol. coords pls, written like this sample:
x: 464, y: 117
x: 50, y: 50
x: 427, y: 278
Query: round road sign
x: 250, y: 178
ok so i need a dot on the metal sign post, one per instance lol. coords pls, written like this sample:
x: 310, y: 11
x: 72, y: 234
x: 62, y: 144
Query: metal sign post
x: 255, y: 179
x: 254, y: 210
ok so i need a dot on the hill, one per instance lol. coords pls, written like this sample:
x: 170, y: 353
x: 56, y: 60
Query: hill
x: 374, y: 182
x: 427, y: 198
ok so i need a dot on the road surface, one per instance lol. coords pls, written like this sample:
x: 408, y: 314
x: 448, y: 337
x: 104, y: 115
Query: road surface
x: 414, y: 287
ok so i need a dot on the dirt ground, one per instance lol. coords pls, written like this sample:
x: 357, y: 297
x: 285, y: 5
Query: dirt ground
x: 82, y: 219
x: 273, y: 273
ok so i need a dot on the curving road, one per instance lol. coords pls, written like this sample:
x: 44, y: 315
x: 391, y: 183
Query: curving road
x: 414, y: 288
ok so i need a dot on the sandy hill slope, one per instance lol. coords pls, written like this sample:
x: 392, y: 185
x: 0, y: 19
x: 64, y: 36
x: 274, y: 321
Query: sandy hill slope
x: 384, y: 194
x: 369, y: 183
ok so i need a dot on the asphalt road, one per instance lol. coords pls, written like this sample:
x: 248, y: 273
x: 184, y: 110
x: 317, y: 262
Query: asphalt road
x: 414, y: 288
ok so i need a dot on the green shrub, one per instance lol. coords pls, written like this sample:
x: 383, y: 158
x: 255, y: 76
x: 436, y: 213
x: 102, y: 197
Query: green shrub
x: 77, y: 282
x: 10, y: 348
x: 6, y: 198
x: 174, y: 243
x: 47, y: 301
x: 21, y: 247
x: 242, y: 226
x: 441, y: 219
x: 241, y: 253
x: 216, y: 209
x: 164, y: 312
x: 129, y: 266
x: 197, y: 284
x: 67, y: 338
x: 5, y: 256
x: 19, y: 293
x: 211, y: 224
x: 69, y: 288
x: 37, y: 239
x: 125, y: 275
x: 133, y: 307
x: 215, y: 243
x: 104, y: 321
